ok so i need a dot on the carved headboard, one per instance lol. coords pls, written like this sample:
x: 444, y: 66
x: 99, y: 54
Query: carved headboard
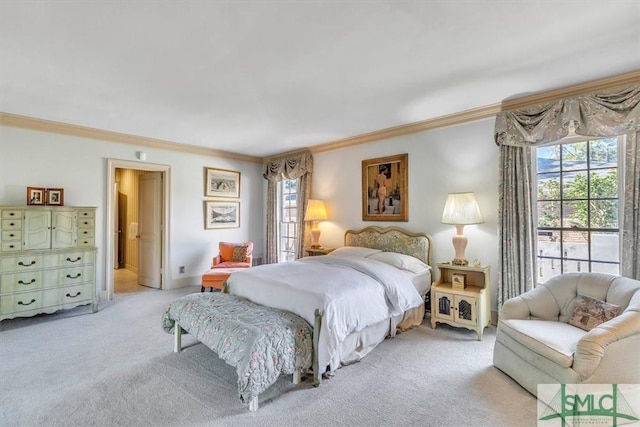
x: 391, y: 239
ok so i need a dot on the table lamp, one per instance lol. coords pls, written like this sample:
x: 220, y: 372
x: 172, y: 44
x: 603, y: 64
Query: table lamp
x: 315, y: 212
x: 461, y: 209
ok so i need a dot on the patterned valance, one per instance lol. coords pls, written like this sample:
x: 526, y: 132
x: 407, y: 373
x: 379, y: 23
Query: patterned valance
x: 288, y: 167
x: 610, y: 113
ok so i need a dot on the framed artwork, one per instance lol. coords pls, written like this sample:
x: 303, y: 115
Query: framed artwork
x: 220, y: 214
x: 385, y: 191
x: 36, y: 196
x: 221, y: 183
x: 55, y: 196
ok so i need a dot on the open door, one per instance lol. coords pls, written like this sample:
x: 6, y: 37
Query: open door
x: 150, y: 230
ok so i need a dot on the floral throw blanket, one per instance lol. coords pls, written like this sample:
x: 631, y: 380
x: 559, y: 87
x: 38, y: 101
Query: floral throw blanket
x: 260, y: 342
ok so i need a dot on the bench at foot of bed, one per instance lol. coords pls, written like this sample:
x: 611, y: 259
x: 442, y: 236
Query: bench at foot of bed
x: 260, y: 342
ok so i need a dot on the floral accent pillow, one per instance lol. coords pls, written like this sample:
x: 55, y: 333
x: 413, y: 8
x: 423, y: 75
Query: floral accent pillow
x: 590, y: 312
x: 239, y: 254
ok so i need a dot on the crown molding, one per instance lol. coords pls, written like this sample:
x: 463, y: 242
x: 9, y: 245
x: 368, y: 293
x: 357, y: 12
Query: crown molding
x: 40, y: 125
x: 454, y: 119
x: 485, y: 112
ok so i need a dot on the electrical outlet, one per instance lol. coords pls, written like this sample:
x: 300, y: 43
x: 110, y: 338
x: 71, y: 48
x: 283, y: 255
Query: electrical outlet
x: 181, y: 269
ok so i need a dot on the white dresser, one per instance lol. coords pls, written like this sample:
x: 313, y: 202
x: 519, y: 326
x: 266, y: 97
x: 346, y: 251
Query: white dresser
x: 47, y: 259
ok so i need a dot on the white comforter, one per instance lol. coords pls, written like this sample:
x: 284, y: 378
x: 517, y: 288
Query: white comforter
x: 353, y: 293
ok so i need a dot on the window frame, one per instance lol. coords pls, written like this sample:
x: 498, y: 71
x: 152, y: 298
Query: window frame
x: 562, y: 227
x: 283, y: 204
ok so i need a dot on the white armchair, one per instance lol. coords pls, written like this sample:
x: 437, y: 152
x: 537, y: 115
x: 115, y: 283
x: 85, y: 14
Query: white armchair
x: 536, y: 344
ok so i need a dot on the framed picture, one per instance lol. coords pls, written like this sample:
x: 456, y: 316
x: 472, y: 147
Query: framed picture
x: 55, y: 196
x: 221, y: 183
x: 35, y: 196
x: 458, y: 281
x: 220, y: 214
x: 385, y: 189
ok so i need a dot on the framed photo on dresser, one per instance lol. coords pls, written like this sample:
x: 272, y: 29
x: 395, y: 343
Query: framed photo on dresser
x: 55, y: 197
x: 35, y: 196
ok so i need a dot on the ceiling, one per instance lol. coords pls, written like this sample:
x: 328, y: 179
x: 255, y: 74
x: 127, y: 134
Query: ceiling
x: 266, y: 77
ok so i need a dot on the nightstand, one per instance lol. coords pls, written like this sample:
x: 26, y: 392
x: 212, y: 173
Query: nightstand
x: 317, y: 251
x: 460, y: 297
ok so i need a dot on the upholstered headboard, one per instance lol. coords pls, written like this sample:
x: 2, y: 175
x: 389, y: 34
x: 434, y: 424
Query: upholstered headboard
x: 391, y: 239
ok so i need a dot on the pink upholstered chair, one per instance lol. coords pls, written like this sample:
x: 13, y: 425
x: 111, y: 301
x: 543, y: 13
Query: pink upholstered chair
x: 231, y: 257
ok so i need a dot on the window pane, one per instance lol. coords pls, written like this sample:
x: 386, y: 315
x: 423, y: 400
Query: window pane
x: 605, y: 247
x: 600, y: 267
x: 548, y: 186
x: 574, y: 156
x: 547, y: 268
x: 547, y: 158
x: 604, y: 183
x: 575, y: 266
x: 604, y: 214
x: 574, y: 214
x: 548, y: 214
x: 549, y: 243
x: 575, y: 244
x: 575, y: 185
x: 603, y: 153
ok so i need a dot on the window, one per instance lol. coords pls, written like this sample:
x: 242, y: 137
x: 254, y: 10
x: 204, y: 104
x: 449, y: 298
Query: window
x: 578, y: 199
x: 287, y: 219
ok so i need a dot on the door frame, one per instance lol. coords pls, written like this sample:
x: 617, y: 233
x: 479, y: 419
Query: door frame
x: 112, y: 165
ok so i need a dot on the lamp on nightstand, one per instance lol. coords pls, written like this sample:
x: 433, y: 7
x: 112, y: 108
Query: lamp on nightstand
x: 461, y: 209
x: 315, y: 212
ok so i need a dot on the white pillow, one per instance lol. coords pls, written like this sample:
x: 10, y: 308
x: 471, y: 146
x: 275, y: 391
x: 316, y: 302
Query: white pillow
x: 354, y: 251
x: 401, y: 261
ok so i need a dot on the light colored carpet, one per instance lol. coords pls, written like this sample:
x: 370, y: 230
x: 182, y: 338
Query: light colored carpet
x: 116, y: 367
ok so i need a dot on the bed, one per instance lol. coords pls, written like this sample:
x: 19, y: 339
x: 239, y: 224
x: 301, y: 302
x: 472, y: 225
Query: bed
x: 365, y: 291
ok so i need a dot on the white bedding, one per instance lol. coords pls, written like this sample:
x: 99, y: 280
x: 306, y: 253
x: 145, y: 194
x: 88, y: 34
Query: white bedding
x: 352, y: 292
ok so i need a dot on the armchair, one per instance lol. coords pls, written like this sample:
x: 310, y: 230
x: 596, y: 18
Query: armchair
x: 231, y: 257
x: 537, y: 342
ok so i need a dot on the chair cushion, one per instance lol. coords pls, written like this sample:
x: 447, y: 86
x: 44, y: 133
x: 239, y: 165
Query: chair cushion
x: 590, y: 312
x: 553, y: 340
x: 232, y: 264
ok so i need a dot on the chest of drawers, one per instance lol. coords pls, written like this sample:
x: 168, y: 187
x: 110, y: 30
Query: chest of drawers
x: 47, y: 260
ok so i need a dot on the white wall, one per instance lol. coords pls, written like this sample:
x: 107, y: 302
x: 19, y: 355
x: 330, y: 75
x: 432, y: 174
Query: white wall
x: 38, y: 159
x: 455, y: 159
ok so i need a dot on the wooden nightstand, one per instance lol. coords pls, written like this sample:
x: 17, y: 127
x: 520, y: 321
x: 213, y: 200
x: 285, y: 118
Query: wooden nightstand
x: 467, y: 307
x: 317, y: 251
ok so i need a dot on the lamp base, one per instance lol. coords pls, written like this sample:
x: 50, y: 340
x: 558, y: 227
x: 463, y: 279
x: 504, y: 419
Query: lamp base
x: 459, y: 261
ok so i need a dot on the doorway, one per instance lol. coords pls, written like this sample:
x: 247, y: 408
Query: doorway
x: 137, y: 226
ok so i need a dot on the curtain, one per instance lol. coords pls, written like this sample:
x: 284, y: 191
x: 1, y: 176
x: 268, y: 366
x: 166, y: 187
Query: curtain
x: 300, y: 168
x: 610, y: 113
x: 630, y: 259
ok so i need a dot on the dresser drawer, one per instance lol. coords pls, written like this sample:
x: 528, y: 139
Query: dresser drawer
x: 11, y: 235
x: 87, y: 242
x: 11, y: 224
x: 76, y: 294
x: 18, y: 282
x: 11, y: 214
x: 75, y: 275
x: 85, y: 233
x: 10, y: 246
x: 86, y: 223
x: 21, y: 302
x: 21, y: 263
x: 71, y: 259
x: 85, y: 213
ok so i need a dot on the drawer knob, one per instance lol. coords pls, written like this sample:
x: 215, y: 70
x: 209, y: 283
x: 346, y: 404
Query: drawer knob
x: 74, y: 260
x: 26, y: 283
x: 74, y: 277
x: 12, y: 235
x: 26, y: 265
x: 73, y: 296
x: 28, y: 303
